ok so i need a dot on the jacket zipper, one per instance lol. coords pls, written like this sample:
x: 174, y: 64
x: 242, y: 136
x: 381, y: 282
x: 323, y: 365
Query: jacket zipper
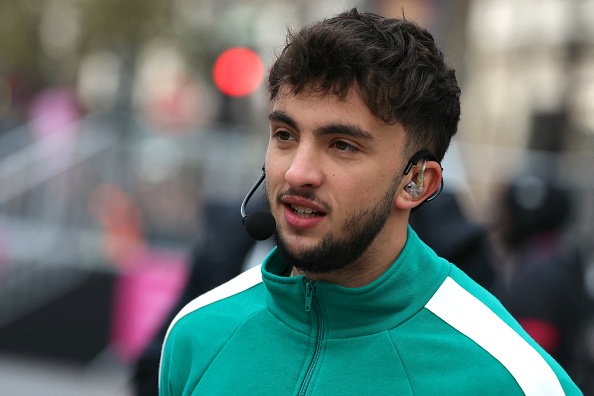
x: 312, y: 300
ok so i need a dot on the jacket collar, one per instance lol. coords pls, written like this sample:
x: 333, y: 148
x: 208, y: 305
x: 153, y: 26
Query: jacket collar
x: 392, y: 299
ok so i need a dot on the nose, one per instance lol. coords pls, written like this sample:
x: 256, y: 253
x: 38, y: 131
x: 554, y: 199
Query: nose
x: 305, y: 170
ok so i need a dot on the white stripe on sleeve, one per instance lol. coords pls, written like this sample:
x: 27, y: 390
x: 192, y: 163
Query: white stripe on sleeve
x: 242, y: 282
x: 471, y: 317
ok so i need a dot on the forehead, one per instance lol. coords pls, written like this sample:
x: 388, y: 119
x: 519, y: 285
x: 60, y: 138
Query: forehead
x: 311, y: 105
x: 312, y: 109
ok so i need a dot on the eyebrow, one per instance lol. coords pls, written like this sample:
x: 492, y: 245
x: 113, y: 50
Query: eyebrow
x: 281, y: 116
x: 351, y: 130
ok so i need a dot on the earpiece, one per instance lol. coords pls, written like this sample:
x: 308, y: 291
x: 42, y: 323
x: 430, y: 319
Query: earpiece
x: 416, y: 189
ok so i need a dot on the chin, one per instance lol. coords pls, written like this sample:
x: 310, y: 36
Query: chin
x: 297, y: 247
x: 299, y: 239
x: 295, y: 242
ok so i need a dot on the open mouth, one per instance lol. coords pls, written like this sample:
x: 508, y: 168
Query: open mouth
x: 302, y: 211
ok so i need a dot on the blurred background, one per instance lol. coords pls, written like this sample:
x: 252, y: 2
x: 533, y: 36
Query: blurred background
x: 131, y: 130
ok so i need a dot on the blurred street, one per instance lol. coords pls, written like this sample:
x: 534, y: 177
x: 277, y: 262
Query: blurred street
x: 20, y: 376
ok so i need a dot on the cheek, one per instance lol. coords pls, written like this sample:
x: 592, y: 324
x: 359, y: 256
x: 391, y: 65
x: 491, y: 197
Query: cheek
x: 271, y: 165
x: 372, y: 185
x: 278, y: 163
x: 355, y: 188
x: 274, y: 177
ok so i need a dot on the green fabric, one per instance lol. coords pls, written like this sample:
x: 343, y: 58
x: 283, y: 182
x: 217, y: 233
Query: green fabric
x: 377, y: 340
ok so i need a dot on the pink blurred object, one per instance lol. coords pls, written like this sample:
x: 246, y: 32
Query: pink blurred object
x: 54, y: 110
x: 143, y: 298
x: 54, y: 115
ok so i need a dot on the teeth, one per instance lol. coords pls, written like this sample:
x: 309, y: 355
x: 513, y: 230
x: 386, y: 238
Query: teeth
x: 303, y: 211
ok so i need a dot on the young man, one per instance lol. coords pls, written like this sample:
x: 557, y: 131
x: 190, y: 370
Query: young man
x: 351, y: 302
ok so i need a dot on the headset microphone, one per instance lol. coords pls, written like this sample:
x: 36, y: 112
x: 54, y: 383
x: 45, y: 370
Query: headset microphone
x: 259, y: 225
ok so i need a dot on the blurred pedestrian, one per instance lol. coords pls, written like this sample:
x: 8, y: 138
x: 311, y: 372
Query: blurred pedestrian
x: 541, y: 279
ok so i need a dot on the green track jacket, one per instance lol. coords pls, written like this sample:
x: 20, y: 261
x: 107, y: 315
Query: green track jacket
x: 422, y: 328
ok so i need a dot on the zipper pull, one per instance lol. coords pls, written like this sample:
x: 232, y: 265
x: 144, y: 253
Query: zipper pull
x: 310, y: 287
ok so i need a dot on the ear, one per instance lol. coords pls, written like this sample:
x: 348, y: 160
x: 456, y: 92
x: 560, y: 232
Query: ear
x: 432, y: 180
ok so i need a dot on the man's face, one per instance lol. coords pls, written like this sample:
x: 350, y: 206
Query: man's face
x: 332, y: 172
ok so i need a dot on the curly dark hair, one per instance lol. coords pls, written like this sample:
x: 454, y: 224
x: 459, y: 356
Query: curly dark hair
x: 394, y: 65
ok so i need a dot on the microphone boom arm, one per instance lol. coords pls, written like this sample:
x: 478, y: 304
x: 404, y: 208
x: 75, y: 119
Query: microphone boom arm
x: 249, y: 195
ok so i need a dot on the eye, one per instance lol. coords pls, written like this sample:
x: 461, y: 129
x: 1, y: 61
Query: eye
x: 344, y: 146
x: 283, y: 136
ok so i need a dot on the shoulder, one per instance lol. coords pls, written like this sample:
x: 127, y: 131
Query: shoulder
x: 478, y: 315
x: 204, y: 325
x: 232, y: 300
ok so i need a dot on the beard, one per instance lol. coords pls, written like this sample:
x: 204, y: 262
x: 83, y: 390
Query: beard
x: 334, y: 253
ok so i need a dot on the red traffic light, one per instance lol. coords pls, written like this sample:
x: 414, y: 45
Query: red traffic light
x: 238, y: 71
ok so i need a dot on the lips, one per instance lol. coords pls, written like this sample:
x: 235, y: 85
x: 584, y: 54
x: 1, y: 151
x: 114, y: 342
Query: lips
x: 301, y: 212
